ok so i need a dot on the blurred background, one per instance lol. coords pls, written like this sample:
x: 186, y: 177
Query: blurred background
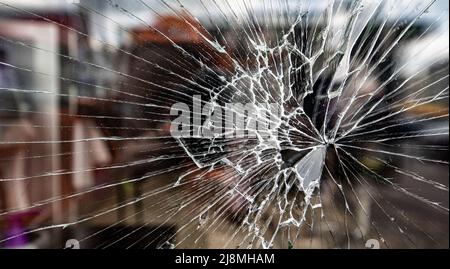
x: 84, y: 156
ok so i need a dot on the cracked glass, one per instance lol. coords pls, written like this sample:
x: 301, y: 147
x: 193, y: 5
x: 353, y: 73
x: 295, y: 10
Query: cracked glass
x: 224, y: 124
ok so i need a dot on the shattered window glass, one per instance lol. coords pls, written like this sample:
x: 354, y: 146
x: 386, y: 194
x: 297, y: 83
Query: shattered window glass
x: 224, y: 124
